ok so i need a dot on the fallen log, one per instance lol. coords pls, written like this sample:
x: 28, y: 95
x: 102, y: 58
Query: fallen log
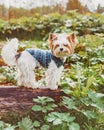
x: 13, y: 99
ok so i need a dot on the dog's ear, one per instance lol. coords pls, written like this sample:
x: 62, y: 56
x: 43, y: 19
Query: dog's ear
x: 72, y: 39
x: 52, y: 36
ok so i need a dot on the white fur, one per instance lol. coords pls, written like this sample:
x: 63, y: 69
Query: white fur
x: 26, y: 65
x: 9, y: 51
x: 53, y: 75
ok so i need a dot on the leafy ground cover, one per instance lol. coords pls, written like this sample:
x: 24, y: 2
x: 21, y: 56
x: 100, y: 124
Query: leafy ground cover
x: 38, y: 27
x: 82, y: 81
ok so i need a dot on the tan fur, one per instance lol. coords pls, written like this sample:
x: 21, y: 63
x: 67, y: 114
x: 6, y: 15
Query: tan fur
x: 52, y: 37
x: 72, y: 40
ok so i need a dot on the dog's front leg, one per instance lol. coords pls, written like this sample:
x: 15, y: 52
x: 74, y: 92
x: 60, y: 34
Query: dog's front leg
x: 53, y: 75
x: 59, y: 74
x: 51, y: 81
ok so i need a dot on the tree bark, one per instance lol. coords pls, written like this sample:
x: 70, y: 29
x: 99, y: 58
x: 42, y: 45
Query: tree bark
x: 20, y: 100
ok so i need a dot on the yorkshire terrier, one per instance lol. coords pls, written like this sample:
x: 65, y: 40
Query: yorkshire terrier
x: 61, y: 45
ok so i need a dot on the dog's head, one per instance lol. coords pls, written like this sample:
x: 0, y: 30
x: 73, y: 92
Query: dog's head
x: 62, y: 44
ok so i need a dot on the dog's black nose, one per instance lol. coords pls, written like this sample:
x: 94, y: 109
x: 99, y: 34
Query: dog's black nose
x: 61, y: 49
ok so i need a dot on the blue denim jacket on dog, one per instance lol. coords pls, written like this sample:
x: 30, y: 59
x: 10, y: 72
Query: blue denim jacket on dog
x: 44, y: 57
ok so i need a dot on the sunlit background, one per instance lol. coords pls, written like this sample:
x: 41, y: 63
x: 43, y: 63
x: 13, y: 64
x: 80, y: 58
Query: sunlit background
x: 9, y: 8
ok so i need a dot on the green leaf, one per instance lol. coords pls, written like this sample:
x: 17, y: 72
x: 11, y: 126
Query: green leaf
x: 1, y: 123
x: 70, y: 119
x: 59, y: 118
x: 90, y: 81
x: 40, y: 26
x: 51, y: 117
x: 100, y: 106
x: 9, y: 128
x: 86, y: 101
x: 90, y: 114
x: 43, y: 100
x: 74, y: 126
x: 48, y: 99
x: 67, y: 91
x: 69, y: 103
x: 51, y: 106
x: 26, y: 124
x: 64, y: 84
x: 96, y: 97
x: 57, y: 122
x: 36, y: 123
x: 44, y: 110
x: 45, y: 127
x: 36, y: 108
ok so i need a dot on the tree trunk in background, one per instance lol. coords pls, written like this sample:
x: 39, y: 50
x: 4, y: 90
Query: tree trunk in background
x: 76, y: 5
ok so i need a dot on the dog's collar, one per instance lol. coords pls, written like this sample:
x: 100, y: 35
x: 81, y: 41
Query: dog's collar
x: 44, y: 57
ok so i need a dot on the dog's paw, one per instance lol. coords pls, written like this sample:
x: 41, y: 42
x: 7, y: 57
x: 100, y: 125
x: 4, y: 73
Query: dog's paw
x: 43, y: 87
x: 53, y: 87
x: 35, y: 85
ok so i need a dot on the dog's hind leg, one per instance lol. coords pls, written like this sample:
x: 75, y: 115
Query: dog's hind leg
x: 19, y: 78
x: 26, y: 76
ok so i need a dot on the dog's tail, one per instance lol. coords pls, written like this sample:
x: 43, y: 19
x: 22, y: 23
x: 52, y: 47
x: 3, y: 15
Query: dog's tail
x: 9, y: 52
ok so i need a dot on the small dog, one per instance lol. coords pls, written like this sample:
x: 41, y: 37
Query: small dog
x: 61, y: 45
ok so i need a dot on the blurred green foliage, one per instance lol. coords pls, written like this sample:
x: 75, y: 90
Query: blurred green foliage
x: 39, y: 26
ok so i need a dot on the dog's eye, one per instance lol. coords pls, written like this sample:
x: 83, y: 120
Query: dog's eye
x: 65, y: 45
x: 57, y: 46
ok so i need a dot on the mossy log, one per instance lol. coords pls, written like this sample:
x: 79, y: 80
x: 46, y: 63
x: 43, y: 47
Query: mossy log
x: 20, y: 100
